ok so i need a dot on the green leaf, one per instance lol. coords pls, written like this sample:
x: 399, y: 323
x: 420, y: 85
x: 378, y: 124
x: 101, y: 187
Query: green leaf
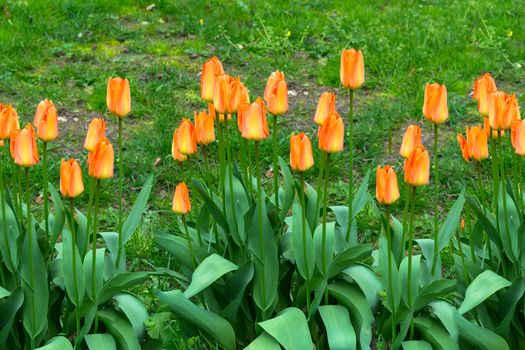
x: 290, y: 329
x: 210, y: 323
x: 134, y: 217
x: 434, y: 333
x: 311, y: 203
x: 135, y: 311
x: 8, y: 310
x: 483, y: 286
x: 217, y: 213
x: 348, y: 257
x: 72, y: 269
x: 339, y: 329
x: 100, y: 341
x: 288, y: 189
x: 303, y: 245
x: 208, y: 271
x: 263, y: 341
x: 416, y: 345
x: 59, y: 218
x: 451, y: 223
x: 487, y: 220
x: 447, y: 314
x: 403, y: 275
x: 508, y: 304
x: 511, y: 217
x: 367, y: 281
x: 99, y: 271
x: 120, y: 329
x: 234, y: 290
x: 12, y: 236
x: 178, y: 247
x: 481, y: 338
x: 4, y: 293
x: 393, y: 297
x: 241, y: 206
x: 57, y: 343
x: 328, y: 246
x: 120, y: 283
x: 432, y: 291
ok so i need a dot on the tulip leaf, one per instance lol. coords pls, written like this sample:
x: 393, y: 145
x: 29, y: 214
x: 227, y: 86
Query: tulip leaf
x: 447, y: 314
x: 348, y: 257
x: 508, y: 217
x: 135, y: 311
x: 339, y: 329
x: 311, y: 203
x: 120, y: 329
x: 432, y: 291
x: 235, y: 215
x: 59, y: 218
x: 8, y: 309
x: 414, y: 284
x: 100, y: 341
x: 217, y: 213
x: 288, y: 193
x: 303, y: 245
x: 451, y: 223
x: 369, y: 283
x: 57, y: 343
x: 290, y: 329
x: 416, y: 345
x: 481, y: 338
x: 178, y: 247
x: 120, y: 283
x: 264, y: 341
x: 482, y: 287
x: 133, y: 220
x: 434, y: 333
x: 328, y: 246
x: 99, y: 271
x: 9, y: 249
x: 211, y: 269
x: 73, y: 270
x: 393, y: 297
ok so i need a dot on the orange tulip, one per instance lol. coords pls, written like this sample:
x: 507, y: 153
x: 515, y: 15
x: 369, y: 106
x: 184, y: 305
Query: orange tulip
x: 211, y: 69
x: 484, y: 86
x: 228, y: 94
x: 118, y: 96
x: 518, y: 137
x: 477, y: 143
x: 46, y: 121
x: 435, y: 107
x: 417, y: 167
x: 301, y: 157
x: 463, y: 145
x: 254, y: 123
x: 71, y: 184
x: 204, y: 128
x: 331, y: 134
x: 181, y: 199
x: 411, y: 139
x: 1, y: 143
x: 244, y: 95
x: 12, y: 142
x: 387, y: 190
x: 96, y: 131
x: 186, y: 137
x: 175, y: 153
x: 486, y: 128
x: 352, y: 69
x: 325, y: 107
x: 25, y: 152
x: 276, y: 93
x: 503, y: 109
x: 8, y: 121
x: 101, y: 159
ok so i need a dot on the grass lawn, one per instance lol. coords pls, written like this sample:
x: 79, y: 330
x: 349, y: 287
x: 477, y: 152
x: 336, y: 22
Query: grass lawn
x: 66, y: 50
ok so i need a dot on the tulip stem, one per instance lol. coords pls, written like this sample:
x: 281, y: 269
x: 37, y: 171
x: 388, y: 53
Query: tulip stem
x: 320, y: 179
x: 495, y: 176
x: 390, y: 284
x: 120, y: 206
x: 19, y: 189
x: 520, y: 172
x: 94, y: 252
x: 465, y: 273
x: 436, y: 198
x: 260, y: 203
x: 210, y: 192
x: 89, y: 213
x: 230, y: 176
x: 30, y: 246
x: 325, y: 209
x: 350, y: 165
x: 275, y: 165
x: 46, y: 200
x: 482, y: 198
x: 74, y: 251
x: 242, y: 143
x: 410, y: 252
x: 303, y: 208
x: 249, y: 175
x: 503, y: 187
x: 190, y: 245
x: 222, y: 161
x: 4, y: 220
x: 405, y: 218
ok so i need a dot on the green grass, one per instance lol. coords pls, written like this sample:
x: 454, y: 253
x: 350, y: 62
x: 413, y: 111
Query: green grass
x: 66, y: 50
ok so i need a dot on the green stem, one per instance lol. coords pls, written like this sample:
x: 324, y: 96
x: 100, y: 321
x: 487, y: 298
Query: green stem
x: 520, y: 173
x: 260, y: 203
x: 222, y: 161
x: 4, y: 220
x: 242, y: 143
x: 31, y: 272
x: 303, y: 208
x: 350, y: 165
x: 516, y: 183
x: 94, y: 252
x: 121, y: 181
x: 410, y: 241
x: 436, y: 198
x: 325, y: 209
x: 495, y: 177
x: 503, y: 187
x: 210, y: 192
x: 465, y: 273
x: 390, y: 282
x: 248, y: 148
x: 46, y: 199
x: 19, y: 188
x: 405, y: 217
x: 89, y: 213
x: 319, y: 185
x: 190, y: 245
x: 230, y: 176
x: 190, y: 177
x: 275, y: 165
x: 73, y: 250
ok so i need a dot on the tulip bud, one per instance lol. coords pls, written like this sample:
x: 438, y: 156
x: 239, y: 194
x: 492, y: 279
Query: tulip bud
x: 331, y: 134
x: 387, y: 190
x: 181, y: 199
x: 25, y: 152
x: 186, y: 137
x: 435, y: 107
x: 204, y: 128
x: 211, y: 69
x: 96, y: 131
x: 71, y: 184
x: 352, y: 69
x: 118, y: 96
x: 301, y: 157
x: 228, y: 94
x: 484, y: 86
x: 46, y: 121
x: 518, y: 137
x: 411, y: 139
x: 276, y: 93
x: 8, y: 121
x: 417, y: 167
x: 101, y: 160
x: 503, y: 109
x: 254, y: 123
x: 325, y: 107
x: 477, y: 143
x: 175, y: 153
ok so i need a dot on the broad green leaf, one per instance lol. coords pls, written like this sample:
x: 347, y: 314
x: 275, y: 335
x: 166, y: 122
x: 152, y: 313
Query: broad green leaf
x: 111, y: 239
x: 339, y: 329
x: 9, y: 248
x: 81, y: 228
x: 482, y: 287
x: 135, y: 311
x: 447, y: 314
x: 508, y: 217
x: 416, y: 345
x: 72, y: 269
x: 481, y: 338
x: 4, y: 293
x: 434, y: 333
x: 8, y: 310
x: 235, y: 215
x: 303, y: 245
x: 393, y: 297
x: 264, y: 341
x: 57, y: 343
x: 59, y: 218
x: 487, y: 220
x: 120, y: 329
x: 217, y: 213
x: 509, y: 303
x: 324, y: 260
x: 414, y: 282
x: 311, y: 202
x: 288, y: 192
x: 234, y: 290
x: 290, y: 329
x: 214, y: 326
x: 432, y: 291
x: 367, y: 281
x: 120, y: 283
x: 100, y: 341
x: 178, y: 247
x: 451, y: 223
x: 99, y: 271
x: 348, y: 257
x: 133, y: 220
x: 208, y: 271
x: 427, y: 248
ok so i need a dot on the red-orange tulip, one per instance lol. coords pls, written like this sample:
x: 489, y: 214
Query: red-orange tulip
x: 417, y: 167
x: 71, y: 184
x: 204, y: 128
x: 484, y: 86
x: 325, y: 107
x: 503, y: 109
x: 331, y: 134
x: 101, y: 160
x: 211, y: 69
x: 301, y: 157
x: 181, y: 199
x: 276, y: 93
x: 25, y: 152
x: 411, y: 139
x: 175, y: 153
x: 96, y: 131
x: 46, y: 121
x: 186, y: 137
x: 518, y: 136
x: 118, y: 96
x: 387, y: 190
x: 254, y: 123
x: 435, y: 107
x: 8, y: 121
x: 352, y: 69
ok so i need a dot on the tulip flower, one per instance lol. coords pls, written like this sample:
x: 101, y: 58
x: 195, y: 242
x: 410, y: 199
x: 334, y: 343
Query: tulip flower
x: 503, y: 109
x: 181, y: 199
x: 411, y: 139
x: 8, y: 121
x: 204, y: 128
x: 518, y: 137
x: 417, y: 167
x: 331, y: 134
x: 12, y: 141
x: 276, y: 93
x: 96, y: 131
x: 211, y: 69
x: 118, y: 96
x: 301, y: 157
x: 352, y: 69
x: 175, y: 152
x: 101, y: 160
x: 477, y: 143
x: 46, y: 121
x: 254, y: 123
x: 71, y: 184
x: 387, y: 190
x: 186, y: 137
x: 435, y: 107
x: 486, y: 129
x: 463, y: 145
x: 228, y: 94
x: 325, y: 107
x: 484, y: 86
x: 25, y: 149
